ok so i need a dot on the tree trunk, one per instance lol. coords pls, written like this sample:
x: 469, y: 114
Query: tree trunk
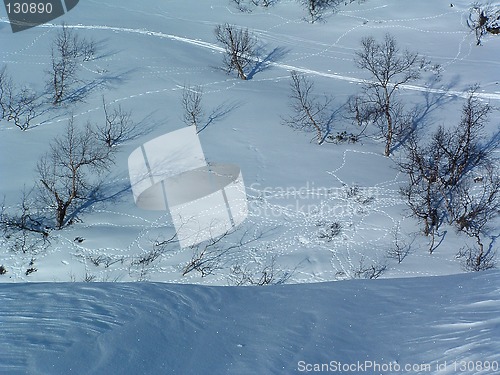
x: 61, y: 215
x: 390, y: 131
x: 479, y: 259
x: 241, y: 74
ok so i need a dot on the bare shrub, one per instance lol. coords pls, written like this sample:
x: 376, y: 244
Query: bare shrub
x: 106, y: 260
x: 372, y: 271
x: 316, y: 9
x: 87, y: 49
x: 192, y: 105
x: 117, y: 127
x: 400, y: 249
x: 483, y: 19
x: 329, y: 231
x: 145, y: 261
x: 208, y: 257
x: 89, y: 278
x: 475, y: 259
x: 246, y: 5
x: 211, y: 255
x: 31, y: 268
x: 270, y: 274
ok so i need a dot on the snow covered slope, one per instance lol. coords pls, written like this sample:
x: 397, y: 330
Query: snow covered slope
x: 144, y: 328
x: 150, y: 49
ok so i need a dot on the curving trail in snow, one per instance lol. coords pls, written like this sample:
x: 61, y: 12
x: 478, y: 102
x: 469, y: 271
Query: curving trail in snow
x: 217, y: 48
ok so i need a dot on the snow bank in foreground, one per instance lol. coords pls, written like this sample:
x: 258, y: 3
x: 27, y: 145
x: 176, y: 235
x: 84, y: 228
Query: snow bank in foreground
x: 145, y: 328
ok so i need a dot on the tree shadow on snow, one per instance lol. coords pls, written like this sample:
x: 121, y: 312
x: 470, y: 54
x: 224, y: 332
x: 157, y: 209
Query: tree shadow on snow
x: 420, y: 115
x: 265, y: 62
x: 219, y: 113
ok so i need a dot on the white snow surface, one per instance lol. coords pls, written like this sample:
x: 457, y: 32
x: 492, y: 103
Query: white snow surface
x: 159, y: 328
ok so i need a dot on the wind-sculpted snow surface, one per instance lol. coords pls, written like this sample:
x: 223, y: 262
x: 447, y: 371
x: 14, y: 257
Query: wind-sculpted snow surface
x: 145, y: 328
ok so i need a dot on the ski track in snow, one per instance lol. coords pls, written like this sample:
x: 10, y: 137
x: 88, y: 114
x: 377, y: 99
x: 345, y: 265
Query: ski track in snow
x: 289, y: 67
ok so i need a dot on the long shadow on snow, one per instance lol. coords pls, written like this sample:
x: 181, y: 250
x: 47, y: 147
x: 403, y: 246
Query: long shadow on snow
x: 263, y: 63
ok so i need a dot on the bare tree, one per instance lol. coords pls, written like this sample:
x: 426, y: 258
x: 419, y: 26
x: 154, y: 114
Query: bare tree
x: 24, y: 106
x: 87, y: 49
x: 239, y: 46
x: 5, y: 92
x: 477, y: 204
x: 389, y: 69
x: 23, y: 230
x: 191, y: 104
x: 422, y: 193
x: 18, y: 105
x: 68, y: 172
x: 65, y: 50
x: 310, y: 112
x: 465, y: 146
x: 118, y: 126
x: 441, y: 172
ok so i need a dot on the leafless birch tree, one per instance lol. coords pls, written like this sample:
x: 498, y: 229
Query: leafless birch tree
x: 239, y: 46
